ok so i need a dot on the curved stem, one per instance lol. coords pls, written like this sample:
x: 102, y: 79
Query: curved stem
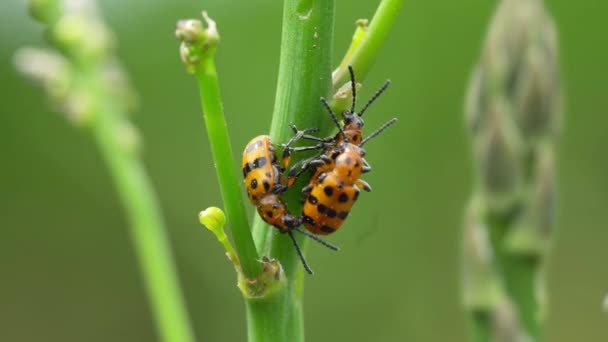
x: 364, y: 50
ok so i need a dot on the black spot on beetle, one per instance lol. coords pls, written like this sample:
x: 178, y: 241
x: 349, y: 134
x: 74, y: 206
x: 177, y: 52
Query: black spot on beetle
x: 331, y: 213
x: 335, y: 154
x: 343, y: 214
x: 254, y: 198
x: 343, y: 198
x: 312, y: 199
x: 254, y: 183
x: 269, y: 214
x: 246, y: 169
x: 321, y: 208
x: 309, y: 220
x: 329, y: 191
x: 327, y: 229
x: 357, y: 164
x: 266, y: 184
x: 355, y: 138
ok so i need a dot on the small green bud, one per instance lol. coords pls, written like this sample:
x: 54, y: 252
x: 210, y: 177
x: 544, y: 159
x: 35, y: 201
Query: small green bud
x: 43, y: 10
x: 362, y: 26
x: 83, y: 33
x: 537, y: 95
x: 45, y: 67
x: 197, y: 41
x: 52, y: 71
x: 190, y: 31
x: 499, y: 153
x: 531, y: 234
x: 481, y: 282
x: 214, y: 219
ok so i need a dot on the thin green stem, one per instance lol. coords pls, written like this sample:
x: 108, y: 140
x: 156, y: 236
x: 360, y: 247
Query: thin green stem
x: 365, y: 50
x: 230, y: 184
x: 147, y: 229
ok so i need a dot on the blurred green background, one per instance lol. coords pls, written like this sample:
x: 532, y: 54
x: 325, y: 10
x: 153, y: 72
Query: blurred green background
x: 68, y: 272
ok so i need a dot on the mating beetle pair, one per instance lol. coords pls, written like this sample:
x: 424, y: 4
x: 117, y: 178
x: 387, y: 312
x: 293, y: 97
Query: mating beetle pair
x: 334, y: 186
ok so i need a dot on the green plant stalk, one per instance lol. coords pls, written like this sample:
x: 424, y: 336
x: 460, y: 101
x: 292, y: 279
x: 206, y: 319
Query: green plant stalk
x: 147, y: 228
x: 519, y: 277
x: 230, y: 184
x: 364, y: 51
x: 107, y: 120
x: 304, y: 77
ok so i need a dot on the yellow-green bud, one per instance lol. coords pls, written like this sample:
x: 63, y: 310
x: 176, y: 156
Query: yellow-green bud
x: 197, y: 40
x: 214, y: 219
x: 45, y: 67
x: 189, y: 30
x: 84, y: 33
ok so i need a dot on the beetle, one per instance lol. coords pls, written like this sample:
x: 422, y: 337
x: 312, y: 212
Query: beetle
x: 335, y: 183
x: 265, y: 183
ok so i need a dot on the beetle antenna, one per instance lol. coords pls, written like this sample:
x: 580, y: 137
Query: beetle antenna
x: 317, y: 239
x: 299, y: 251
x: 334, y: 118
x: 353, y: 85
x: 374, y: 97
x: 378, y: 131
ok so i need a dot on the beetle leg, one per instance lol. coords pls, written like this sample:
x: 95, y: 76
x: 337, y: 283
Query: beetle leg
x: 363, y: 184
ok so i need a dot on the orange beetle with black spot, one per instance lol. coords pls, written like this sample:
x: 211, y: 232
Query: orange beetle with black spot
x: 265, y: 183
x: 335, y: 185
